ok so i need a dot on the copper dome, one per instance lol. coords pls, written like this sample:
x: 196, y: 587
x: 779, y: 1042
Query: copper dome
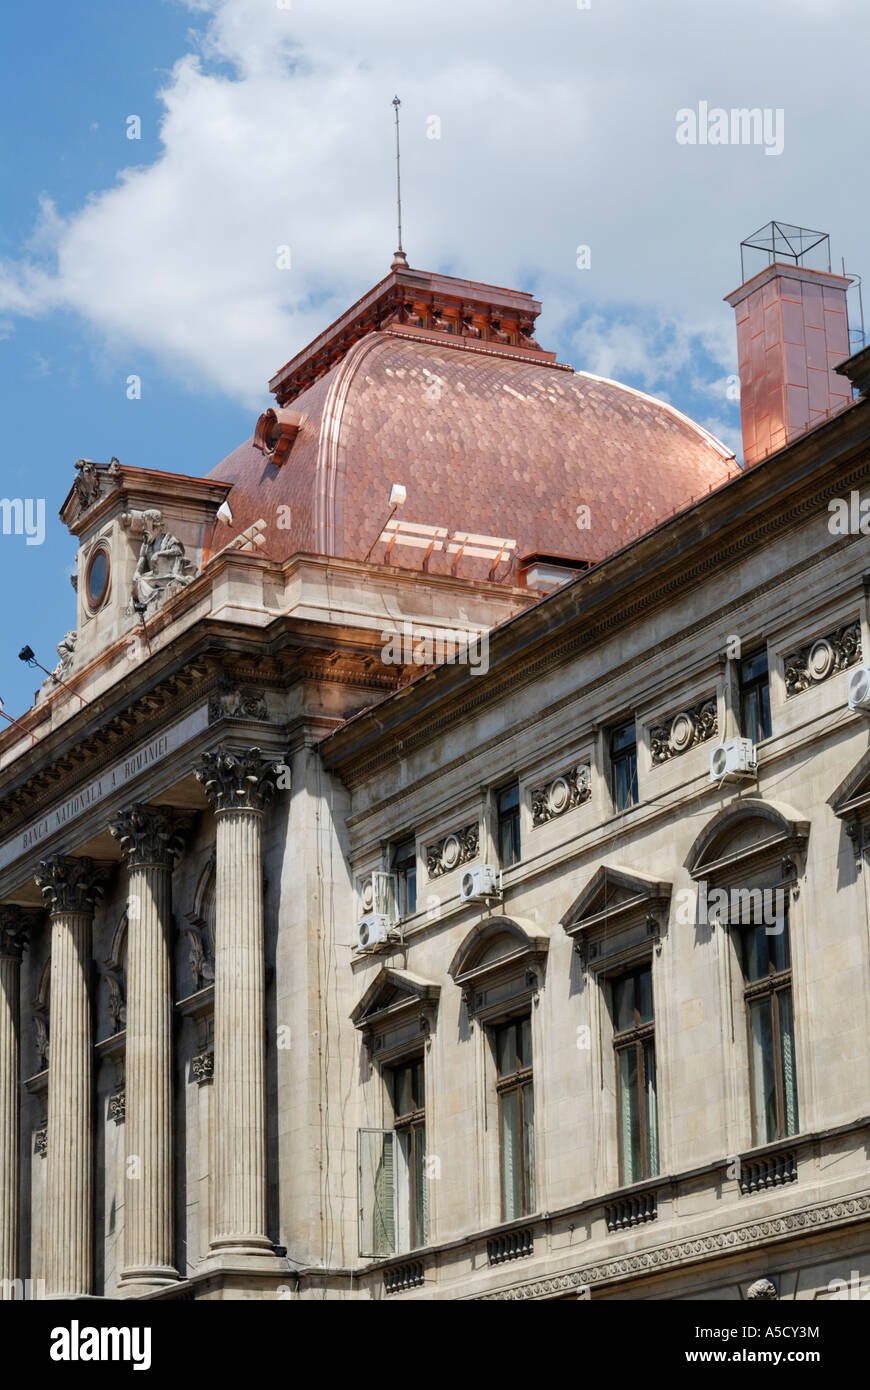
x: 488, y: 439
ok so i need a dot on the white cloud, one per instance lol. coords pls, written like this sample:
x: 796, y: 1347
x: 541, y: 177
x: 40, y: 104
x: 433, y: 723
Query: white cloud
x: 557, y: 129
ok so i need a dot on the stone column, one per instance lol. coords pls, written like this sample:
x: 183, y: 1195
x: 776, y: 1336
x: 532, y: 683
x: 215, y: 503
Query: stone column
x: 238, y: 786
x: 13, y: 922
x: 151, y: 838
x: 71, y: 888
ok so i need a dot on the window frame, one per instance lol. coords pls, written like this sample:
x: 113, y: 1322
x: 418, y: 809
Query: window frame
x: 403, y: 867
x: 618, y: 758
x: 769, y: 987
x: 515, y: 1082
x: 510, y: 819
x: 749, y: 688
x: 635, y: 1038
x: 413, y: 1124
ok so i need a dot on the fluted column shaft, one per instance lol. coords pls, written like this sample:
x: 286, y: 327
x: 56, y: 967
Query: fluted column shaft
x: 151, y: 838
x: 11, y: 945
x: 70, y: 887
x: 238, y: 786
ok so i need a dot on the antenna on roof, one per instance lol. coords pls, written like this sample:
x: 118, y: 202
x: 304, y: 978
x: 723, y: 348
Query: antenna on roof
x: 400, y: 260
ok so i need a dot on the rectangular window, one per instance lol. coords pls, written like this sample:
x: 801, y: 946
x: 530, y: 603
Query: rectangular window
x: 405, y: 870
x: 770, y: 1021
x: 623, y: 766
x: 634, y: 1046
x: 508, y: 811
x: 516, y: 1117
x: 410, y: 1131
x: 755, y: 697
x: 392, y: 1170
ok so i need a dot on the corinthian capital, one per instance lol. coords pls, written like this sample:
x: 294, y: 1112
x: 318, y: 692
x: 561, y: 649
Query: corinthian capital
x: 70, y: 885
x: 235, y: 781
x: 150, y: 835
x: 14, y: 923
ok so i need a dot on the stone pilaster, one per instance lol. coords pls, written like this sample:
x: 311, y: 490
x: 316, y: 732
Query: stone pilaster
x: 13, y: 924
x: 151, y: 838
x: 70, y: 888
x: 238, y: 786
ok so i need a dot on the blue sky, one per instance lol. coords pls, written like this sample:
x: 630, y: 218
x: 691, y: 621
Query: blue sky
x: 265, y: 124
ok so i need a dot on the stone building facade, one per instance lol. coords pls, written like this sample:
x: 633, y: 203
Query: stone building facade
x: 372, y: 924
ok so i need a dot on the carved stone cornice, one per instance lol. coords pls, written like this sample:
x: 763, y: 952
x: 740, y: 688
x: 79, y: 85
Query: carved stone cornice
x: 14, y: 925
x: 562, y: 793
x: 150, y: 835
x: 453, y: 850
x: 684, y: 730
x: 139, y: 718
x: 764, y: 1232
x: 237, y: 781
x: 819, y: 660
x: 69, y: 884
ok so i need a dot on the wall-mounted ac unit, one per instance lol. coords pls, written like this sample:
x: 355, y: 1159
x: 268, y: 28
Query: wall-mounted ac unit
x: 377, y: 897
x: 859, y: 689
x: 372, y: 931
x: 480, y: 883
x: 377, y: 893
x: 734, y: 758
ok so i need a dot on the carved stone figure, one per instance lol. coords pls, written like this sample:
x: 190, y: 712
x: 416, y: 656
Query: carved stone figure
x: 65, y: 650
x: 87, y: 484
x: 762, y: 1289
x: 162, y: 568
x: 42, y: 1047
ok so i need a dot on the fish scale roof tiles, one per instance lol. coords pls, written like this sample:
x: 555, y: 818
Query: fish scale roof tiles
x: 483, y: 443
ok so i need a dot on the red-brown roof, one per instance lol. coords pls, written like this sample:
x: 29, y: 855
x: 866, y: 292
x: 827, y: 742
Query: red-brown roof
x: 485, y: 441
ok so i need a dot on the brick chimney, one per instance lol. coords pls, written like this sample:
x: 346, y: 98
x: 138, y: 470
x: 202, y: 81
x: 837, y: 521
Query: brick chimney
x: 792, y: 331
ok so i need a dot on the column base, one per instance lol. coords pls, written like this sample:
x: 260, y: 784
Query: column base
x: 242, y: 1254
x: 146, y: 1280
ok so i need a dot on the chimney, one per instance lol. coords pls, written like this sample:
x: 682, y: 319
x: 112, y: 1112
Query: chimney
x: 792, y: 331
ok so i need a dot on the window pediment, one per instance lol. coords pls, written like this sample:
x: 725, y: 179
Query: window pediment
x: 393, y: 995
x: 851, y: 800
x: 617, y: 898
x: 745, y: 838
x: 500, y: 962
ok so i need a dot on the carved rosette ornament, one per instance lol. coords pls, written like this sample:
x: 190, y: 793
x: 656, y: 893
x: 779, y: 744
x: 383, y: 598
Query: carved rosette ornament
x: 458, y: 848
x: 818, y: 661
x: 70, y: 885
x: 685, y: 730
x: 237, y: 781
x: 561, y: 794
x: 150, y: 835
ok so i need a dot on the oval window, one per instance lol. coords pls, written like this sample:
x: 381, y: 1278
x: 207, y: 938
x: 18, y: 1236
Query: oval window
x: 98, y: 577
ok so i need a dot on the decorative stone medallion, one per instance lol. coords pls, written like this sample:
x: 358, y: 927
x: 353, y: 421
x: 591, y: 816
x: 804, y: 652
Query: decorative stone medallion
x: 819, y: 660
x: 457, y: 848
x: 562, y: 793
x: 684, y: 730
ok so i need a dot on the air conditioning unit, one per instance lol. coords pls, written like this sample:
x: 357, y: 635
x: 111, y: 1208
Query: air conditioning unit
x: 476, y: 885
x: 377, y: 895
x: 859, y: 689
x: 372, y: 931
x: 734, y: 758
